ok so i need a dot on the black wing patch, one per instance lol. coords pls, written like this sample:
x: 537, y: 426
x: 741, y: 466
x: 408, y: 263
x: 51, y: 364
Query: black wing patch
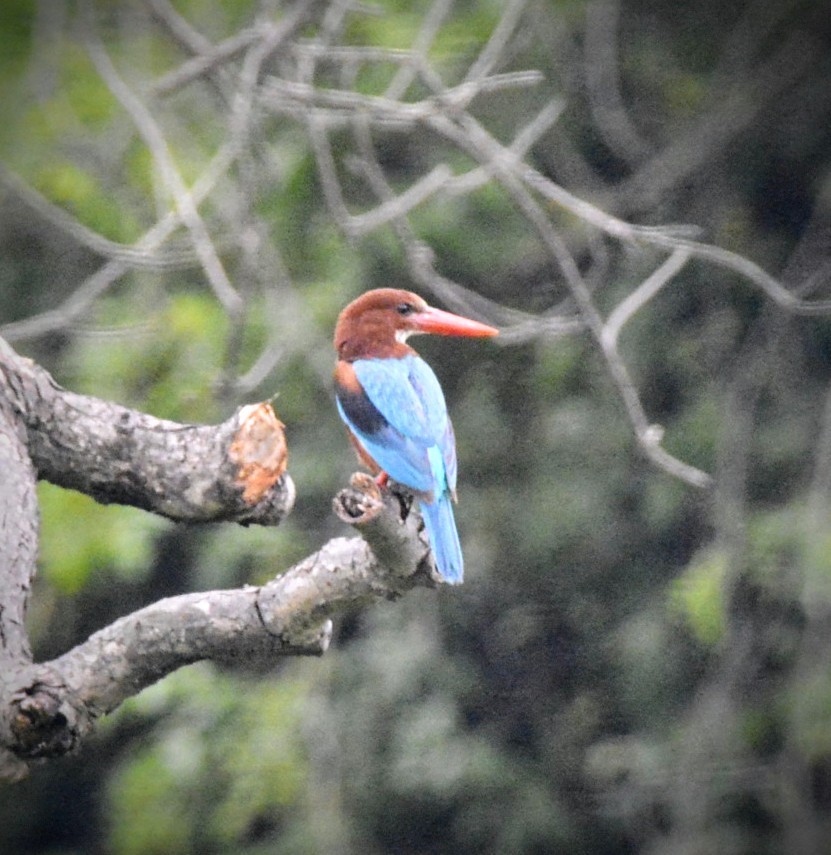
x: 360, y: 411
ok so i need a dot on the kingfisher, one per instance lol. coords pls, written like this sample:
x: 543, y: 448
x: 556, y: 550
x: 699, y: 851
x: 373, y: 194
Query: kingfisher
x: 394, y: 408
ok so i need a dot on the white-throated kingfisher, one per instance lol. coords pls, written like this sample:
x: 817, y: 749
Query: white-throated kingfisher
x: 393, y: 406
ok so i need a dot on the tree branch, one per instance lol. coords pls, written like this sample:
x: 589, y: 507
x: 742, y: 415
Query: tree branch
x: 234, y: 471
x: 48, y: 709
x: 18, y: 534
x: 195, y: 473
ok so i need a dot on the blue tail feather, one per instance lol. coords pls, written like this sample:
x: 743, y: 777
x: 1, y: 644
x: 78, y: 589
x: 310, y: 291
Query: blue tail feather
x: 444, y: 538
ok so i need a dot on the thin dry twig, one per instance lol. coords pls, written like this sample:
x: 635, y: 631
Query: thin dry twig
x: 189, y: 38
x: 203, y: 63
x: 519, y: 148
x: 171, y: 177
x: 494, y: 49
x: 603, y: 85
x: 471, y: 137
x: 638, y: 298
x: 133, y: 256
x: 430, y: 26
x: 94, y: 286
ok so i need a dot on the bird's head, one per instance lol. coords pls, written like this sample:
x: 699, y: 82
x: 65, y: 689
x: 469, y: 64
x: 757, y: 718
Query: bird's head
x: 379, y: 322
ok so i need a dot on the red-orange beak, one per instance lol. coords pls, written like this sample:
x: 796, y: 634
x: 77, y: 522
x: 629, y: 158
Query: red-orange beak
x: 436, y: 321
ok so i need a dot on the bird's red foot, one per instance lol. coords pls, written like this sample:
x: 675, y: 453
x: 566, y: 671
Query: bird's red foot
x: 381, y: 479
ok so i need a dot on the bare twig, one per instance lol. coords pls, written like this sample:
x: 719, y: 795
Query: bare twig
x: 472, y: 138
x: 399, y: 206
x: 670, y: 237
x: 430, y: 25
x: 178, y: 27
x: 133, y: 256
x: 602, y: 82
x: 494, y: 49
x: 271, y: 36
x: 97, y: 284
x: 193, y: 42
x: 638, y: 298
x: 174, y: 184
x: 523, y: 142
x: 279, y: 93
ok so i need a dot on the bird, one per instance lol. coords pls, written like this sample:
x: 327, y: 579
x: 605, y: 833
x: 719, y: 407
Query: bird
x: 394, y: 408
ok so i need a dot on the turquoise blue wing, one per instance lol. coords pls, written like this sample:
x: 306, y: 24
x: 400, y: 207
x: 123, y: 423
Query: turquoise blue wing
x: 407, y: 394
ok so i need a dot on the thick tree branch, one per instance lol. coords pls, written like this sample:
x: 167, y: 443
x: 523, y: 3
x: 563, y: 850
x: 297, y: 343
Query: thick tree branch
x: 196, y: 473
x: 18, y: 535
x: 234, y: 472
x: 48, y: 709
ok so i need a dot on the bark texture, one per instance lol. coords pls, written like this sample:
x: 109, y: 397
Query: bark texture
x: 18, y: 533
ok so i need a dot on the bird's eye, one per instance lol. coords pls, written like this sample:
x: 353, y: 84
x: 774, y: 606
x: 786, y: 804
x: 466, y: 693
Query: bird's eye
x: 405, y: 309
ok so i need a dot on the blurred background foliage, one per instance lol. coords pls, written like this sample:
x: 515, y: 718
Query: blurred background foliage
x: 632, y: 665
